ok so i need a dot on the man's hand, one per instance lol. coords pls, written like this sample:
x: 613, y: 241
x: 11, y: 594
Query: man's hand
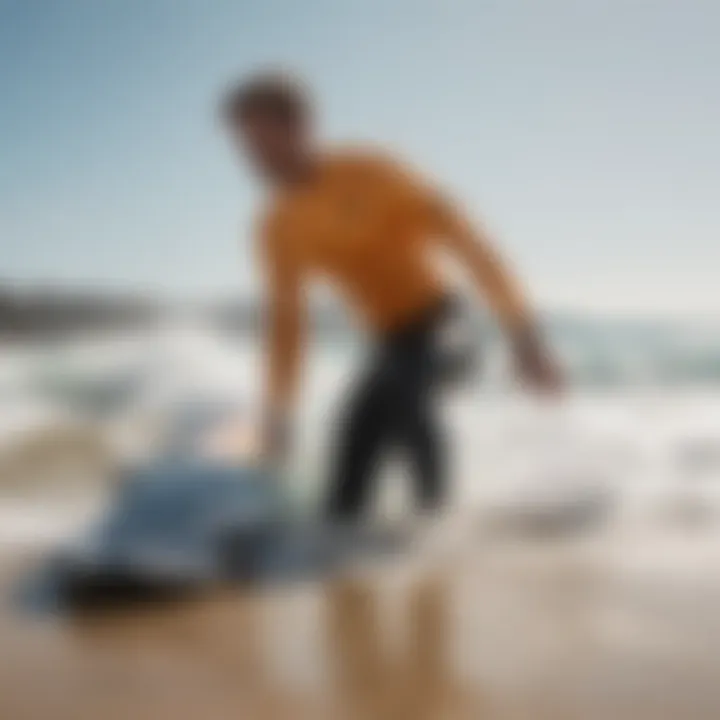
x: 535, y: 365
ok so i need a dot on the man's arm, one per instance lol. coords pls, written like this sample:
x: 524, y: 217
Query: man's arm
x: 472, y: 246
x: 468, y: 243
x: 284, y: 331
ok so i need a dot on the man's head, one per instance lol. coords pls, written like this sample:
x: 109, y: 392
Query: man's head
x: 269, y: 117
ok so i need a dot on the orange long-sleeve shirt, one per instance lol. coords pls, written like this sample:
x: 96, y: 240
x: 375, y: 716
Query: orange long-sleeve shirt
x: 366, y: 224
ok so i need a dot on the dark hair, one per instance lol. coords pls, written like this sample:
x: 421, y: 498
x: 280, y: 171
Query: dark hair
x: 274, y: 95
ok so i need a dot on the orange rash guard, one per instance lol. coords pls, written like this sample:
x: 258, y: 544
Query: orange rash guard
x: 366, y: 224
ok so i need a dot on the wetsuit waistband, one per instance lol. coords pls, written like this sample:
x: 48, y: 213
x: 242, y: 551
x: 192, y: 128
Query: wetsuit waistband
x: 422, y: 322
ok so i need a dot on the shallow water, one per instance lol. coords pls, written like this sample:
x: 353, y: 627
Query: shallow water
x: 610, y: 617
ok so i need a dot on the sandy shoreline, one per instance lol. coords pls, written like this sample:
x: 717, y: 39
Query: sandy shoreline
x: 505, y: 631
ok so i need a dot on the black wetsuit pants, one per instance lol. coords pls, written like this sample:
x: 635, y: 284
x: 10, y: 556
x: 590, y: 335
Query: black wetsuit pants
x: 393, y: 408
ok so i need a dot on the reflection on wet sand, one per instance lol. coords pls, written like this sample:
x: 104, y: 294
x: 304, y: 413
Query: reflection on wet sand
x: 415, y: 679
x: 514, y: 633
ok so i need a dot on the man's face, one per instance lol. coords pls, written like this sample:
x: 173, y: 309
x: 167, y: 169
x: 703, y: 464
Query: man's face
x: 272, y: 145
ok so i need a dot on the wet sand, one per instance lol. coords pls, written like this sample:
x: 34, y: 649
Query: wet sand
x: 506, y: 631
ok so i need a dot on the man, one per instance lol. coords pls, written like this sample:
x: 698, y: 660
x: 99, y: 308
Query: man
x: 367, y: 224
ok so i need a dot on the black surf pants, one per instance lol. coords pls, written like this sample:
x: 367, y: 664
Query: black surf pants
x: 391, y: 408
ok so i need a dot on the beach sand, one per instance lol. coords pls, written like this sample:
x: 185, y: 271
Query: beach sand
x: 598, y: 629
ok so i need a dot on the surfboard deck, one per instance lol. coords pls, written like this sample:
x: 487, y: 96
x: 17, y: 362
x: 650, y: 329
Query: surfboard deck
x: 192, y: 525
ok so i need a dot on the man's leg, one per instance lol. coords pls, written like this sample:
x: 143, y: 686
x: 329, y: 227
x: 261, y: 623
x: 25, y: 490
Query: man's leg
x: 417, y: 430
x: 362, y: 438
x: 422, y: 439
x: 394, y: 405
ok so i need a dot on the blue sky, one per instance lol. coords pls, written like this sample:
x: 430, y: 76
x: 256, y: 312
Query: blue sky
x: 584, y: 133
